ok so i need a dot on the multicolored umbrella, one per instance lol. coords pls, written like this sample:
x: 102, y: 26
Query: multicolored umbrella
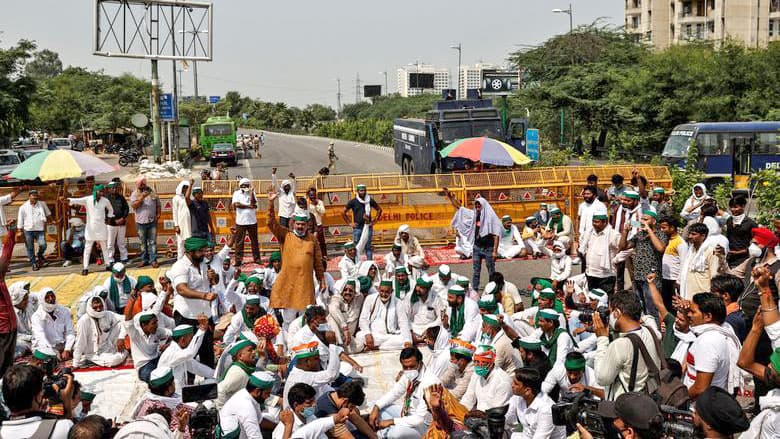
x: 60, y: 163
x: 485, y: 150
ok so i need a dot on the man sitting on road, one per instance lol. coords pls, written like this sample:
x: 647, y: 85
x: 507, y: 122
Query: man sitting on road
x: 379, y: 320
x: 52, y: 326
x: 510, y: 242
x: 119, y: 286
x: 418, y: 310
x: 100, y: 337
x: 146, y: 339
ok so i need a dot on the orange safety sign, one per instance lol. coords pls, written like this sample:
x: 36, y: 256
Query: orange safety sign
x: 222, y: 240
x: 170, y: 241
x: 246, y: 239
x: 336, y: 232
x: 527, y: 196
x: 220, y: 205
x: 502, y: 197
x: 167, y: 205
x: 334, y: 198
x: 274, y: 239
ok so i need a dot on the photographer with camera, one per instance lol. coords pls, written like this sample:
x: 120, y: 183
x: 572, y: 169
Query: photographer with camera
x: 530, y: 409
x: 614, y: 359
x: 23, y: 392
x: 573, y: 376
x: 634, y: 416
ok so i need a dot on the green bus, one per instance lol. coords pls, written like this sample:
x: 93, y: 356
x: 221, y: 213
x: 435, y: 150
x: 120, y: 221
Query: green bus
x: 217, y: 129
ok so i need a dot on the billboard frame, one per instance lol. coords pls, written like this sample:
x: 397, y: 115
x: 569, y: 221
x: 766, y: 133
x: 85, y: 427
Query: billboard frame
x: 129, y: 29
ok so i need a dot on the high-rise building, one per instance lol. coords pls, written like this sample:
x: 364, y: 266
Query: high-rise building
x: 422, y: 78
x: 662, y: 23
x: 471, y: 77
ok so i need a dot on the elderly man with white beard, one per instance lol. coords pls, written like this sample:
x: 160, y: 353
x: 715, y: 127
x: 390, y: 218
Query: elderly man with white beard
x: 379, y: 320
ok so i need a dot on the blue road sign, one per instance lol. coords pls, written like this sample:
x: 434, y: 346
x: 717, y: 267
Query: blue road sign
x: 532, y: 144
x: 213, y: 99
x: 167, y: 109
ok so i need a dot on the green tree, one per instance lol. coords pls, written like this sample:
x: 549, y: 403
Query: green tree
x: 16, y: 89
x: 321, y: 113
x: 45, y: 64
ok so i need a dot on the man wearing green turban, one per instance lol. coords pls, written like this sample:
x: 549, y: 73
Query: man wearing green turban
x: 99, y: 210
x: 190, y: 279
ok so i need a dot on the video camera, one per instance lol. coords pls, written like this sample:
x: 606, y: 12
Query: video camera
x: 491, y: 427
x: 203, y: 420
x: 586, y: 315
x: 677, y: 423
x: 51, y: 379
x: 580, y: 408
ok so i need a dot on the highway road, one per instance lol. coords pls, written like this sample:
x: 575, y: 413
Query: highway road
x: 305, y: 155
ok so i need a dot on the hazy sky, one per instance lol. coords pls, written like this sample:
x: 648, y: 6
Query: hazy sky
x: 292, y: 51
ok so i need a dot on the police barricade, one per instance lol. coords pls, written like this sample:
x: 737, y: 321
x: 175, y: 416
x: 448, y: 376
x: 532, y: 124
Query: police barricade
x: 416, y: 200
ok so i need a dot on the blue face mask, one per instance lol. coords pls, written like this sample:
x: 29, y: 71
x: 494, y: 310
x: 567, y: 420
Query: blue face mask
x: 308, y: 412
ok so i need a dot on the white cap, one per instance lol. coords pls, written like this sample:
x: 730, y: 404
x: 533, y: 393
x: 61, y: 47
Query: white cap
x: 244, y: 181
x: 444, y: 270
x: 148, y: 300
x: 117, y: 267
x: 76, y: 222
x: 490, y: 288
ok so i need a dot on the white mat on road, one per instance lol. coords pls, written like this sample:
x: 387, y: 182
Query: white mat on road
x: 119, y: 390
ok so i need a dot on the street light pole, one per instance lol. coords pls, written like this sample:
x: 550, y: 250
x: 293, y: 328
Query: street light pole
x: 387, y: 92
x: 195, y: 63
x: 569, y: 11
x: 459, y: 48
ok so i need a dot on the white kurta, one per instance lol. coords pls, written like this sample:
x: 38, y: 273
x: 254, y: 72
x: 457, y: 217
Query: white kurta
x: 97, y: 212
x: 380, y: 320
x: 484, y: 394
x: 348, y: 268
x: 510, y: 242
x: 180, y: 211
x: 319, y: 380
x: 532, y: 421
x: 144, y: 348
x: 182, y: 361
x: 96, y: 340
x: 247, y: 412
x: 50, y: 331
x: 415, y: 317
x: 558, y: 376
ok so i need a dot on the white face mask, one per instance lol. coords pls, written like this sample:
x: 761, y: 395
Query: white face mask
x: 557, y: 255
x: 95, y: 314
x: 49, y: 307
x: 412, y: 374
x: 77, y: 411
x: 613, y: 322
x: 244, y: 189
x: 754, y: 250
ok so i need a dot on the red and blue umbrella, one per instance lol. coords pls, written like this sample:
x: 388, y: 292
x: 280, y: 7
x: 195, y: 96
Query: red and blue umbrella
x: 485, y: 150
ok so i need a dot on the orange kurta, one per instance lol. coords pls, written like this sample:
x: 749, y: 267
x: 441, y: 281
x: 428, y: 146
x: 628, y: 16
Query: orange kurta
x: 301, y: 257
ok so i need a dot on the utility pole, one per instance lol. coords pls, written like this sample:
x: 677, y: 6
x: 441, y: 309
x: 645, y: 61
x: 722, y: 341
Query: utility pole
x: 338, y: 96
x: 357, y: 88
x: 195, y: 72
x: 155, y: 112
x: 174, y: 139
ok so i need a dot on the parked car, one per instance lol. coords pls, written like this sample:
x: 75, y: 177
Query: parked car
x: 223, y: 152
x: 27, y: 153
x: 9, y: 160
x: 62, y: 143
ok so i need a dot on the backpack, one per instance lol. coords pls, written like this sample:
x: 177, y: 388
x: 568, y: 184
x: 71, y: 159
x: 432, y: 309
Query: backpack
x: 666, y: 389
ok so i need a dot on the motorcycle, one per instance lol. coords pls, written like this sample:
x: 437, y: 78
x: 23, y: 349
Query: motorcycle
x: 128, y: 156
